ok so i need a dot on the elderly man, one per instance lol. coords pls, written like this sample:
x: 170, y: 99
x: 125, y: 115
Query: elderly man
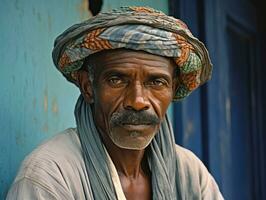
x: 129, y: 64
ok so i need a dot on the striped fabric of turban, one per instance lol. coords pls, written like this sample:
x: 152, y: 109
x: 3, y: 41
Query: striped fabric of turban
x: 136, y: 28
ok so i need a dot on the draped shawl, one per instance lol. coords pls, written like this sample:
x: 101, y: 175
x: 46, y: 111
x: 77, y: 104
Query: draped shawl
x: 162, y: 159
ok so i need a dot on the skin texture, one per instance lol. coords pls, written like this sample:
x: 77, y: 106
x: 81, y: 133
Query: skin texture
x: 127, y: 82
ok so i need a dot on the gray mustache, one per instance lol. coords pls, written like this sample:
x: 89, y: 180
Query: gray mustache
x: 134, y: 118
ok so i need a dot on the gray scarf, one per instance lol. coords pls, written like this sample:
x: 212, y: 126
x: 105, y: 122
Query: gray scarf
x: 162, y: 159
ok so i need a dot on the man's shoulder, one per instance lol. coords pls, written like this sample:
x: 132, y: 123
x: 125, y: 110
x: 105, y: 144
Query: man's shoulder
x: 61, y: 146
x: 55, y: 169
x: 189, y: 161
x: 185, y: 154
x: 52, y: 155
x: 195, y: 175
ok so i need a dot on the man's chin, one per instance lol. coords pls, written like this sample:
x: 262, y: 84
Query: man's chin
x: 133, y: 141
x: 132, y: 146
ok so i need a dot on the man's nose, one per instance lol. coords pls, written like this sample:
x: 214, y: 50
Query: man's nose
x: 136, y: 99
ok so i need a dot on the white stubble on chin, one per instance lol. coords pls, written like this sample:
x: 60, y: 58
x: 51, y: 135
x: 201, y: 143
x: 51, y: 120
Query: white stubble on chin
x: 134, y: 141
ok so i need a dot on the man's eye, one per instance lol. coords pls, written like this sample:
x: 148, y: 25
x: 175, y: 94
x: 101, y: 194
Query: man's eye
x: 158, y: 82
x: 114, y: 80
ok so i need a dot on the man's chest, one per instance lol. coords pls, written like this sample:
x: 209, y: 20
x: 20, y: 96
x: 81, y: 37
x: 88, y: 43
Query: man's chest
x: 137, y: 189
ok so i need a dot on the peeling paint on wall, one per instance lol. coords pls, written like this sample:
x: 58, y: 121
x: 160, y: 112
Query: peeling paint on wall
x: 54, y: 106
x: 45, y: 101
x: 83, y: 10
x: 45, y: 127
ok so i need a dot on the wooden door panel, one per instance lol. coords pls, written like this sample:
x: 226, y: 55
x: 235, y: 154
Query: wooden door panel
x: 239, y: 48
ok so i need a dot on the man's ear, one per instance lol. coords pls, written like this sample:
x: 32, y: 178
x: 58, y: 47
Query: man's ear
x: 85, y: 85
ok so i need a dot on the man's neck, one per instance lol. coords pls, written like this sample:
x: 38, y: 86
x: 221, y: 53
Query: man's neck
x: 133, y: 171
x: 128, y: 163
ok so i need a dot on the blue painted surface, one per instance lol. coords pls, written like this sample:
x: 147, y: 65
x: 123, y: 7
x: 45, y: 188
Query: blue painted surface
x: 232, y: 98
x: 241, y: 145
x: 157, y: 4
x: 227, y: 113
x: 36, y: 101
x: 216, y: 95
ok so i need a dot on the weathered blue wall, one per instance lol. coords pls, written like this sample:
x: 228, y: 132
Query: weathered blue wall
x: 35, y: 100
x: 157, y: 4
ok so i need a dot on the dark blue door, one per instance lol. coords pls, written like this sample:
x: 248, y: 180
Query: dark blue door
x: 240, y: 78
x: 236, y: 47
x: 221, y: 122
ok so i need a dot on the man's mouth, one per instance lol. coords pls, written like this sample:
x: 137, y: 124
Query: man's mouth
x: 136, y: 127
x: 135, y: 123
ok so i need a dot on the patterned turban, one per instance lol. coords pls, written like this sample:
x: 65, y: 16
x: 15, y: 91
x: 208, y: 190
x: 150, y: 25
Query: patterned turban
x: 136, y: 28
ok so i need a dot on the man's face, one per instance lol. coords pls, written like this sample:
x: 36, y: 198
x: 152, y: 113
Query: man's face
x: 132, y: 91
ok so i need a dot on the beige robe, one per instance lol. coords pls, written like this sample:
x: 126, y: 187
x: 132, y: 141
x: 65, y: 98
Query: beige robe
x: 56, y: 170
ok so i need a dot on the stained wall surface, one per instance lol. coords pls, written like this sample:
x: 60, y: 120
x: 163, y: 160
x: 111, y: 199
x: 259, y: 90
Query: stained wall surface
x: 35, y: 100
